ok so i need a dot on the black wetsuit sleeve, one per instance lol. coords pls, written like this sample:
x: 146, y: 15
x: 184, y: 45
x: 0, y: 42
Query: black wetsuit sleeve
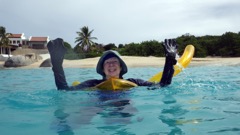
x: 61, y: 82
x: 141, y: 82
x: 168, y: 71
x: 59, y: 77
x: 166, y: 77
x: 57, y: 51
x: 170, y: 49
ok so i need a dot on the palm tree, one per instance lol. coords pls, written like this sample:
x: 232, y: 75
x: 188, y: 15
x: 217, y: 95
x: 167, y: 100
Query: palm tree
x: 84, y: 38
x: 4, y: 41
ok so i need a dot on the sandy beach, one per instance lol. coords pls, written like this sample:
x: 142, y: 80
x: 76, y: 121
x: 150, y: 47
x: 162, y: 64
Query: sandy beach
x: 133, y: 61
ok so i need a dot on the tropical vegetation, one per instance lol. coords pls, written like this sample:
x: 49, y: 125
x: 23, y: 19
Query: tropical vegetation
x: 84, y: 39
x: 4, y: 41
x: 225, y: 45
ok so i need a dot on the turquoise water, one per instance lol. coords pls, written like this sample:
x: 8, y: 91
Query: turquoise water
x: 201, y: 100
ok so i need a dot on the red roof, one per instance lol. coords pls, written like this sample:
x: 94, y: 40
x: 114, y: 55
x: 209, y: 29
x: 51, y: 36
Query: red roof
x: 39, y: 39
x: 15, y: 36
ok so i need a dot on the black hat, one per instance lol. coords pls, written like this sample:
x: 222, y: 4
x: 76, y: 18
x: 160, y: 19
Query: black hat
x: 109, y: 54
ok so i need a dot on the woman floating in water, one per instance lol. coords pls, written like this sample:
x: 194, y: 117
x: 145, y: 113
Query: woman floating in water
x: 110, y: 65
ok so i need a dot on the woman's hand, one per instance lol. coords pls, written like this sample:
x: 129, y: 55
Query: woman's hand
x: 57, y: 51
x: 170, y: 47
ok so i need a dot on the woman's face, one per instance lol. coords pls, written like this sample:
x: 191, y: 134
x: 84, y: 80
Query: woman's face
x: 112, y: 68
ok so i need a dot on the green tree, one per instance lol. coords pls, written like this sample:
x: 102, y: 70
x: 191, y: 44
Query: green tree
x: 152, y: 48
x: 187, y: 39
x: 67, y: 45
x: 4, y: 41
x: 110, y: 46
x: 84, y: 39
x: 120, y: 46
x: 229, y: 45
x: 70, y: 54
x: 210, y: 43
x: 131, y: 49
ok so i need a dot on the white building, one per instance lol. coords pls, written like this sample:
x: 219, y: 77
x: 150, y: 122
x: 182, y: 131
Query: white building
x: 17, y: 40
x: 38, y: 42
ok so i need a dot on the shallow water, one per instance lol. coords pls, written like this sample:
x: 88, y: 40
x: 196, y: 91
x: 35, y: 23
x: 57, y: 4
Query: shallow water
x: 201, y: 100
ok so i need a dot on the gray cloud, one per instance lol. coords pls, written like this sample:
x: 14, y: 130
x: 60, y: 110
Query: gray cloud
x: 120, y: 21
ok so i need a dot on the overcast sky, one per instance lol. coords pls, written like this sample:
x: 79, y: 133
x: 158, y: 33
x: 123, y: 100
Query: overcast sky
x: 120, y: 21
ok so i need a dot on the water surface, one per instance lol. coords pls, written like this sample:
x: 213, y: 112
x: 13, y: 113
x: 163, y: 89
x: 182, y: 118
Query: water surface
x: 201, y: 100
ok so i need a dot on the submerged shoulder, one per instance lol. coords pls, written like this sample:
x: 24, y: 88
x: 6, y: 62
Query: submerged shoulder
x: 140, y: 82
x: 93, y: 81
x: 88, y: 84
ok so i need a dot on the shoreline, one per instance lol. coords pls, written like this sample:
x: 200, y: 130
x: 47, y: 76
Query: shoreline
x: 137, y: 61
